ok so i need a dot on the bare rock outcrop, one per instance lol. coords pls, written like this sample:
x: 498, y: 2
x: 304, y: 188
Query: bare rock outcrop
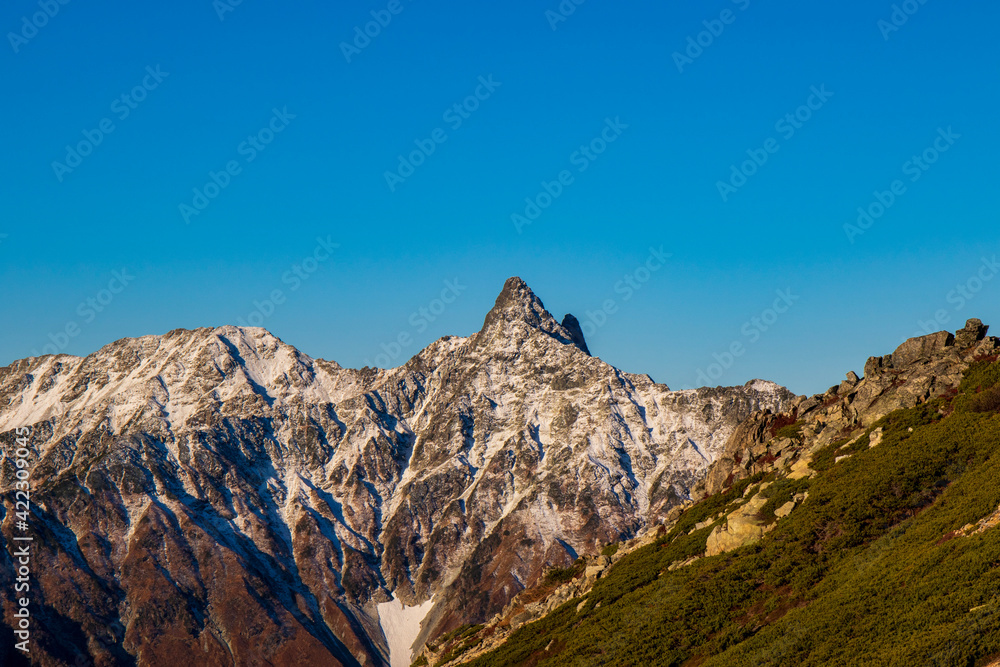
x: 918, y: 370
x: 741, y: 527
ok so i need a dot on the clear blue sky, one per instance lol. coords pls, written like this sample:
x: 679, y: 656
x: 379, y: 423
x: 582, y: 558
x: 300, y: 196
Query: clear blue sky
x: 323, y: 175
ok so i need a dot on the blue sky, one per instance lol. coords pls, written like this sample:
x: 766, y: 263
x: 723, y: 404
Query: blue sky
x: 353, y: 255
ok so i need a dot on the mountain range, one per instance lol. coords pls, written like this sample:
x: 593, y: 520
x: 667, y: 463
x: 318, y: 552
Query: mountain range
x: 217, y: 497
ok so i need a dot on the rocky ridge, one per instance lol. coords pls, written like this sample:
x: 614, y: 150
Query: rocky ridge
x: 918, y: 370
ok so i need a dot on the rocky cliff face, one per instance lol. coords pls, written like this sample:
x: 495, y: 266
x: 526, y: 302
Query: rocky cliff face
x: 217, y: 496
x: 918, y: 370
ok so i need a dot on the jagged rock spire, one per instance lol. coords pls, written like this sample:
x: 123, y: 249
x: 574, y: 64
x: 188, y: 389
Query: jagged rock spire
x: 516, y: 301
x: 517, y: 312
x: 572, y: 325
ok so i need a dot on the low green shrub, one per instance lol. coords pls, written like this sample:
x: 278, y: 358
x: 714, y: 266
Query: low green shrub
x: 561, y: 575
x: 986, y: 401
x: 793, y: 431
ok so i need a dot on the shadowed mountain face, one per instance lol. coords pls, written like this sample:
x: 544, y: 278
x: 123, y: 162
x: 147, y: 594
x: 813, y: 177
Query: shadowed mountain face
x: 218, y: 497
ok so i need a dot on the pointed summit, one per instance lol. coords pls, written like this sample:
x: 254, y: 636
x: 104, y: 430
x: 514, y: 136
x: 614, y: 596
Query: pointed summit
x: 516, y: 301
x: 518, y: 311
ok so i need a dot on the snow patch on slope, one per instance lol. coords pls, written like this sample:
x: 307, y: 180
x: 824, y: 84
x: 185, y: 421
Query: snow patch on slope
x: 401, y: 625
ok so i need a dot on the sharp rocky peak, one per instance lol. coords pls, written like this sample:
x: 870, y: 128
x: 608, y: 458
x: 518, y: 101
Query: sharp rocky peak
x: 305, y: 495
x: 518, y: 314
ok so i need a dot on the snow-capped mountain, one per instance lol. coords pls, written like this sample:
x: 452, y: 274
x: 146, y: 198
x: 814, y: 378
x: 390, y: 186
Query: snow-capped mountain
x: 218, y: 494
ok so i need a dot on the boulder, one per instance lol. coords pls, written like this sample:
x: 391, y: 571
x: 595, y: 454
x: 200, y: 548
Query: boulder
x: 785, y: 509
x: 800, y: 469
x: 922, y: 348
x: 973, y: 332
x: 877, y: 365
x: 704, y: 524
x: 808, y: 404
x: 595, y: 569
x: 741, y: 528
x: 987, y: 347
x: 676, y: 565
